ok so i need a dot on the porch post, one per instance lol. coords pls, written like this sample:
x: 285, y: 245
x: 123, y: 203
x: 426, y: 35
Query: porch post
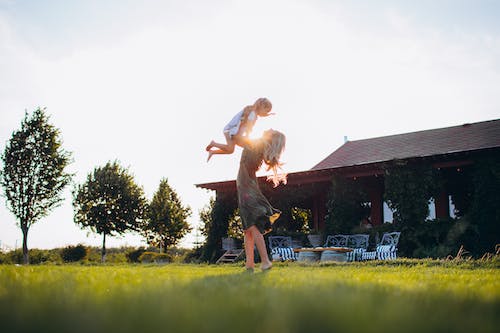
x: 442, y: 205
x: 319, y: 211
x: 315, y: 213
x: 377, y: 205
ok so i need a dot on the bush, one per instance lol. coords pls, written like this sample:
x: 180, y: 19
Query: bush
x: 74, y: 253
x: 133, y: 255
x: 193, y: 256
x: 36, y: 256
x: 154, y: 257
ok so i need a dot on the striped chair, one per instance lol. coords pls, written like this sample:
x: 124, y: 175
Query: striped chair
x: 359, y: 244
x: 281, y: 248
x: 386, y: 249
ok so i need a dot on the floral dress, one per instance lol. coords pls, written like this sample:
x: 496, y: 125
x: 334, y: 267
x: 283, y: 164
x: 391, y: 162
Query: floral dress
x: 255, y: 209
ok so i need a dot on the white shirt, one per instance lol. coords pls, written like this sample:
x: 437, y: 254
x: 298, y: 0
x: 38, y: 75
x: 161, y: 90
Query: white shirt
x: 233, y: 126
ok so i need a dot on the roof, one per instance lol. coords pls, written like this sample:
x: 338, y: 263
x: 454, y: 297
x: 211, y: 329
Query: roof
x: 360, y: 154
x: 441, y: 141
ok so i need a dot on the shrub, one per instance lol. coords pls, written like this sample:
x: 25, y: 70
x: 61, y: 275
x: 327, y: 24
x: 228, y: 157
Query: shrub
x: 193, y: 256
x: 133, y: 255
x: 74, y: 253
x: 154, y: 257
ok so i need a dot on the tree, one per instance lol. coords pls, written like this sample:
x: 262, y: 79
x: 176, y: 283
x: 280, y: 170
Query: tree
x: 166, y: 218
x: 206, y: 217
x: 109, y: 202
x: 33, y: 175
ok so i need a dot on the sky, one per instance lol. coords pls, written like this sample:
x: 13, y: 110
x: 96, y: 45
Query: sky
x: 149, y: 83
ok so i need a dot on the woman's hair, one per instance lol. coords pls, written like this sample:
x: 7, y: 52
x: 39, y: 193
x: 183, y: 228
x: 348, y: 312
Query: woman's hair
x: 274, y: 144
x: 264, y: 102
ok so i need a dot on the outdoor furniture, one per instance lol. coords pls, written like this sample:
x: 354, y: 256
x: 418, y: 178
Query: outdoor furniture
x: 281, y: 248
x: 318, y: 253
x: 386, y: 249
x: 359, y: 244
x: 335, y: 241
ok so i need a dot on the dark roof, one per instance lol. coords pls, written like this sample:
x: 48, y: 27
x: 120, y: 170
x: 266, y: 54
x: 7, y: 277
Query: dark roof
x: 463, y: 138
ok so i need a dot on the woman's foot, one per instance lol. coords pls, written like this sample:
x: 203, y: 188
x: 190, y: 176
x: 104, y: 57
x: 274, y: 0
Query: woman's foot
x: 249, y: 270
x: 266, y: 267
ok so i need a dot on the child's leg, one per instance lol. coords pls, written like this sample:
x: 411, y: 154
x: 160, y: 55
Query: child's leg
x: 227, y: 148
x: 249, y: 244
x: 261, y: 247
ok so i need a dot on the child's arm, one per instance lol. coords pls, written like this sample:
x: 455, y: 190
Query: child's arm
x: 248, y: 121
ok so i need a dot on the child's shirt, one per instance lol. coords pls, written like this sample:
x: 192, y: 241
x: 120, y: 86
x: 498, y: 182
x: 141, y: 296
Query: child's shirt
x: 239, y: 120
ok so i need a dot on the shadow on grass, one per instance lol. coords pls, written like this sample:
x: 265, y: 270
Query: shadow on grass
x: 239, y: 302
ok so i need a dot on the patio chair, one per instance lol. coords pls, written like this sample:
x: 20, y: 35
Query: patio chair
x: 386, y: 249
x: 359, y: 244
x: 281, y: 248
x: 335, y: 241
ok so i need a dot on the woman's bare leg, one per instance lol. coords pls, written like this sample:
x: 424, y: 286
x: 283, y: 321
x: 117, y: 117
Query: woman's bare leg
x: 249, y: 244
x: 261, y: 247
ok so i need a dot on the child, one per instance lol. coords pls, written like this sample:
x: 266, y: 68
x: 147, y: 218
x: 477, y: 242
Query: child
x: 238, y: 129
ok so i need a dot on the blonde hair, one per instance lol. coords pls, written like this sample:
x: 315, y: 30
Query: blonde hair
x: 274, y: 144
x: 263, y: 102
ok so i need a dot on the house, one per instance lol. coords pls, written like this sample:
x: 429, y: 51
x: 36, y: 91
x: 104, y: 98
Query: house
x: 452, y: 150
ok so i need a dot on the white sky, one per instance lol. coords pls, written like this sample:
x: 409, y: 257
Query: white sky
x: 150, y: 83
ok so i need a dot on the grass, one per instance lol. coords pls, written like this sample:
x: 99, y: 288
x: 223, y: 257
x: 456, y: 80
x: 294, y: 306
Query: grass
x: 401, y: 296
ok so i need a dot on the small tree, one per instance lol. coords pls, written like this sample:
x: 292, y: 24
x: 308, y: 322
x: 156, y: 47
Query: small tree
x: 33, y: 175
x: 109, y: 202
x: 206, y: 217
x: 166, y: 218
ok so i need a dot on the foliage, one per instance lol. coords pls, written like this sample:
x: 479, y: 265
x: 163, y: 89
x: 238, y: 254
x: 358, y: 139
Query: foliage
x: 193, y: 256
x: 33, y: 175
x: 407, y: 192
x: 458, y: 182
x: 73, y: 253
x: 235, y: 229
x: 347, y: 205
x: 134, y: 254
x: 393, y: 297
x: 37, y: 256
x: 302, y: 219
x: 155, y: 257
x: 484, y: 212
x: 216, y: 225
x: 166, y: 220
x: 109, y: 202
x: 205, y: 215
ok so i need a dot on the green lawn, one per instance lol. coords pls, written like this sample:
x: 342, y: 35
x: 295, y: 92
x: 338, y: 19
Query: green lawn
x: 402, y: 296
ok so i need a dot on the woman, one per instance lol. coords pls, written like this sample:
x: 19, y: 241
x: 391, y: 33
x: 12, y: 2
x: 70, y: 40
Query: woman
x: 256, y: 212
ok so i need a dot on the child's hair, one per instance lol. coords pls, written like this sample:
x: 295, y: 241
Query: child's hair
x: 263, y: 102
x: 274, y: 144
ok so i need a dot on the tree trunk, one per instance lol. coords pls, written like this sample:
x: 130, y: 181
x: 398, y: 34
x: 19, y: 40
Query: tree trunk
x: 26, y: 258
x: 103, y: 251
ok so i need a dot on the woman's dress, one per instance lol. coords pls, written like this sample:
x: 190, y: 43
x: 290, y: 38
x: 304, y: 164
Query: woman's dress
x: 255, y: 209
